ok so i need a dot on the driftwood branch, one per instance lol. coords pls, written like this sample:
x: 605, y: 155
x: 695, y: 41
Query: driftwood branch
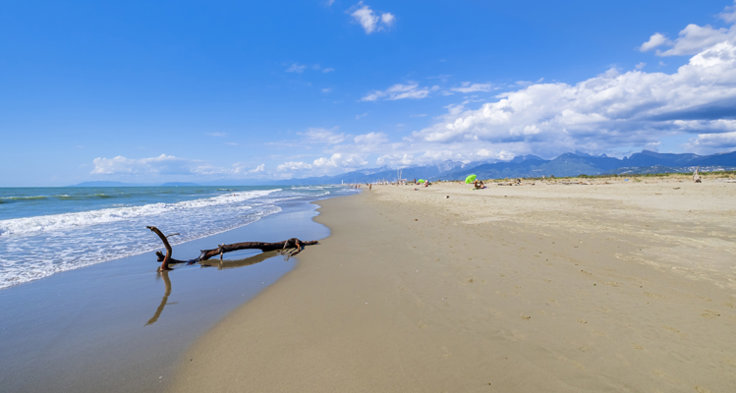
x: 164, y: 259
x: 291, y: 247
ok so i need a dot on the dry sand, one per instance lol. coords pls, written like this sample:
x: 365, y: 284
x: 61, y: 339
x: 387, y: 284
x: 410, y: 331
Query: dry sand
x: 626, y: 287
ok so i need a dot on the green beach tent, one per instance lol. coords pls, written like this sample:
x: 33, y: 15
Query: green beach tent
x: 470, y: 179
x: 421, y: 181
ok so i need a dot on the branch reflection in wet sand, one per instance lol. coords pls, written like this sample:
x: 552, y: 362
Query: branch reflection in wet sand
x: 165, y: 275
x: 221, y: 265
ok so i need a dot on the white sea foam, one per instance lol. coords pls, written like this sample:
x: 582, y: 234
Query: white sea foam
x: 39, y: 246
x: 65, y: 221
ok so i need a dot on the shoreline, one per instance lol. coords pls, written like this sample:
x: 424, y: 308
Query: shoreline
x: 621, y: 287
x: 118, y: 326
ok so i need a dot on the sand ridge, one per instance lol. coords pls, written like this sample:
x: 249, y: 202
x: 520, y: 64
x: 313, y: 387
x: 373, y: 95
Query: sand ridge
x: 551, y: 287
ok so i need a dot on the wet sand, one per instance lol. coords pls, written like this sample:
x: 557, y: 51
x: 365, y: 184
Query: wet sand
x: 118, y: 326
x: 623, y: 287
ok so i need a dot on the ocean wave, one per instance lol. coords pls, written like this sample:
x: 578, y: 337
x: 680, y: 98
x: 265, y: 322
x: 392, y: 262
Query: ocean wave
x: 39, y: 246
x: 65, y: 221
x: 10, y: 199
x: 36, y: 257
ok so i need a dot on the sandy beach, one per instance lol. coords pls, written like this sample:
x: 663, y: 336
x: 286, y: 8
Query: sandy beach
x: 548, y: 286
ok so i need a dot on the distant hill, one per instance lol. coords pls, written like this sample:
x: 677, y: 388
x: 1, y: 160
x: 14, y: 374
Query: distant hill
x: 105, y: 184
x: 179, y: 184
x: 123, y: 184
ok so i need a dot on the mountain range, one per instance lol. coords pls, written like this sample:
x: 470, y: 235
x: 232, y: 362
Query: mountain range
x: 568, y: 164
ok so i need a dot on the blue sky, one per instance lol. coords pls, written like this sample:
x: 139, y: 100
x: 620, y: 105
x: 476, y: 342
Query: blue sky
x: 196, y: 91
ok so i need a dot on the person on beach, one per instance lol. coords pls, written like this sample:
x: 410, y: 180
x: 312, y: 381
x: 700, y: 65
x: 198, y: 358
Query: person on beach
x: 479, y: 184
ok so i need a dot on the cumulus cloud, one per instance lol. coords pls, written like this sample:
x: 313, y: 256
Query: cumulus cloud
x: 613, y: 109
x: 399, y: 91
x: 657, y: 39
x: 370, y: 20
x: 693, y: 38
x: 337, y: 162
x: 388, y: 18
x: 340, y: 160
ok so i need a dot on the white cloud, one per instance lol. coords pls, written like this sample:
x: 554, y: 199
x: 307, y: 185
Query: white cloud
x: 613, y: 109
x: 370, y: 20
x: 388, y: 19
x: 399, y: 91
x: 293, y: 166
x: 467, y: 87
x: 693, y: 38
x: 217, y: 134
x: 412, y: 90
x: 162, y: 165
x: 708, y: 142
x: 340, y: 160
x: 729, y: 14
x: 657, y: 39
x: 258, y: 169
x: 396, y: 159
x: 296, y: 68
x: 335, y: 163
x: 371, y: 138
x: 323, y: 136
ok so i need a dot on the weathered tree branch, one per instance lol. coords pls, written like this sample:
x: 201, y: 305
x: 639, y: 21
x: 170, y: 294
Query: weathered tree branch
x: 291, y: 247
x: 165, y: 260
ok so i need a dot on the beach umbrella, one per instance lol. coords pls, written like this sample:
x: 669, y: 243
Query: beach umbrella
x: 421, y: 181
x: 470, y: 179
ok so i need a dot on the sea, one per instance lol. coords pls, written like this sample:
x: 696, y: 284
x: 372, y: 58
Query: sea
x: 44, y: 231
